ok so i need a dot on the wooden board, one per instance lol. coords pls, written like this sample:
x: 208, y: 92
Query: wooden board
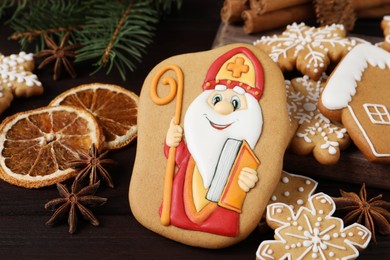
x: 352, y: 167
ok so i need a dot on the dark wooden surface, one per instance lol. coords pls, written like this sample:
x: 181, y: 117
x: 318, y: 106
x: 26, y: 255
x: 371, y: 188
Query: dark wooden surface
x: 23, y: 234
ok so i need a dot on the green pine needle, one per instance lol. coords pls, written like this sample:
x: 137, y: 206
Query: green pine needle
x: 113, y: 34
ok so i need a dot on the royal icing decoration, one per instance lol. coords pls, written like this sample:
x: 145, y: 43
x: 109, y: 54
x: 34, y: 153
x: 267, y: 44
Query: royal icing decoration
x: 341, y: 87
x: 314, y: 129
x: 312, y: 233
x: 216, y: 165
x: 15, y: 73
x: 293, y: 190
x: 310, y: 49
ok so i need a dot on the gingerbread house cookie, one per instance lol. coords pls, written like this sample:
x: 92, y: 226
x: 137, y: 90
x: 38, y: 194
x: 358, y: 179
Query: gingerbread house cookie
x: 357, y: 94
x: 210, y: 146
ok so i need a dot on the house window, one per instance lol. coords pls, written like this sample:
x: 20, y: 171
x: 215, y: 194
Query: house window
x: 377, y: 113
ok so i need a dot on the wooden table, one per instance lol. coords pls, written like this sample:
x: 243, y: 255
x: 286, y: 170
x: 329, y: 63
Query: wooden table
x: 23, y: 234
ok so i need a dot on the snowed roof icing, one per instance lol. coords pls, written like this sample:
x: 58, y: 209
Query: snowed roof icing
x: 341, y: 85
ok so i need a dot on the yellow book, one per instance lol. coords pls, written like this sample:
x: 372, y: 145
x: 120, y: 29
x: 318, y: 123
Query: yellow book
x: 224, y: 187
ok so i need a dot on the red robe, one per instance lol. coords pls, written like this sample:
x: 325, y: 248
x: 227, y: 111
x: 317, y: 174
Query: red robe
x: 212, y: 218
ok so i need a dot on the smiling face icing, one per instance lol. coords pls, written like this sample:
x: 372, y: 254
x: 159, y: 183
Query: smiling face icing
x: 213, y: 117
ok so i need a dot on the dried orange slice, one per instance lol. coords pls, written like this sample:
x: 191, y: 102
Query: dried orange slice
x: 114, y: 108
x: 36, y: 145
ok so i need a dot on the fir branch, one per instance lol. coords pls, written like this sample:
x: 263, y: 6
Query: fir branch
x: 31, y: 35
x: 115, y: 34
x: 18, y: 6
x: 117, y: 38
x: 46, y: 16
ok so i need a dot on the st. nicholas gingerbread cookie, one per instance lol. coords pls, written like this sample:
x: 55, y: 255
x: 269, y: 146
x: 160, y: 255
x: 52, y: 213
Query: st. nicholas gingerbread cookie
x: 309, y: 49
x: 210, y: 145
x: 357, y: 94
x: 315, y: 133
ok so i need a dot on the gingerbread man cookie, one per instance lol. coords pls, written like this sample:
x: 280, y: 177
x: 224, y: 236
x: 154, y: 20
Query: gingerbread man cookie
x: 309, y: 49
x: 312, y: 233
x: 385, y: 24
x: 315, y: 132
x: 357, y: 93
x: 16, y: 77
x: 293, y: 190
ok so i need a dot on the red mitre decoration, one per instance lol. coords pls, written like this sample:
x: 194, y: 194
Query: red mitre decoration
x: 237, y: 67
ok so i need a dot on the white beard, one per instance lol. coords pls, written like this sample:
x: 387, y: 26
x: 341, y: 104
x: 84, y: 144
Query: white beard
x: 205, y: 142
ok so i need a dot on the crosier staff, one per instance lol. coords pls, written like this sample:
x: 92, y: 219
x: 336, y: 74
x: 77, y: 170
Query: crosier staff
x: 176, y: 90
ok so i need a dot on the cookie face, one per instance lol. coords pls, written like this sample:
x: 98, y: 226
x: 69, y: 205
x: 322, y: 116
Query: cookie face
x: 357, y: 94
x: 308, y: 49
x: 315, y: 132
x: 220, y: 139
x: 312, y: 233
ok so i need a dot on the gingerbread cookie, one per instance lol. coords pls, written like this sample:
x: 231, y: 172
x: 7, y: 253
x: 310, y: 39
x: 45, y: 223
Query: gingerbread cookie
x: 293, y: 190
x: 312, y: 233
x: 385, y: 24
x: 16, y: 78
x: 357, y: 94
x: 315, y: 132
x: 309, y: 49
x: 15, y: 71
x: 223, y: 148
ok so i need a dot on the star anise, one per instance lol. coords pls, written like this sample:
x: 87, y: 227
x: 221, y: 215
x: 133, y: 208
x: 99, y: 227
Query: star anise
x: 71, y: 202
x: 62, y: 55
x: 92, y: 164
x: 373, y: 213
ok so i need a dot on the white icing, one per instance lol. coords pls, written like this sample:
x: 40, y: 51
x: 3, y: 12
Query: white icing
x: 285, y: 179
x: 205, y: 142
x: 299, y: 37
x: 12, y: 71
x: 368, y: 140
x: 305, y: 108
x: 377, y: 113
x: 299, y: 202
x: 239, y: 90
x: 301, y: 189
x: 220, y: 87
x: 341, y: 85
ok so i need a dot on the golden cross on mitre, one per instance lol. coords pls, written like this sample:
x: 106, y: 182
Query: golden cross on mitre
x: 238, y: 67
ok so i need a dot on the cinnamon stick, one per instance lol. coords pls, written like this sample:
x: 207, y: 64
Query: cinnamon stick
x: 232, y: 9
x: 258, y: 23
x: 365, y: 4
x: 374, y: 12
x: 267, y: 6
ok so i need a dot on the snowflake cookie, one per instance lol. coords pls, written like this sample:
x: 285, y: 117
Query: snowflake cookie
x: 312, y: 233
x: 16, y: 77
x: 309, y: 49
x: 315, y: 132
x: 293, y: 190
